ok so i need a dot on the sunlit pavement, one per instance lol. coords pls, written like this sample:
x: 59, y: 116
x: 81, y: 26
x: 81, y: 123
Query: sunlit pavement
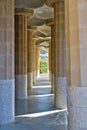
x: 38, y: 112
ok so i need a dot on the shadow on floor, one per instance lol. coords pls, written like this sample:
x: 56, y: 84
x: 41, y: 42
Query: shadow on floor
x: 35, y: 103
x: 52, y: 120
x: 37, y: 112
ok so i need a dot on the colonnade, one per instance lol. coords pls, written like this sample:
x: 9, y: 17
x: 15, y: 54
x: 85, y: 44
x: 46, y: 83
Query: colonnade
x: 67, y: 59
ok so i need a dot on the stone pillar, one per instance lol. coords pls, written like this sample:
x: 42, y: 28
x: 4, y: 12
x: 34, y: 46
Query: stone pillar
x: 60, y: 56
x: 37, y: 62
x: 21, y: 52
x: 34, y: 61
x: 76, y: 50
x: 29, y: 59
x: 6, y: 61
x: 50, y: 67
x: 50, y: 22
x: 52, y: 59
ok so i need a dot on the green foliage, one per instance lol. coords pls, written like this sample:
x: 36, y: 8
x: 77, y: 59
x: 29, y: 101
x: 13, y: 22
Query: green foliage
x: 43, y: 66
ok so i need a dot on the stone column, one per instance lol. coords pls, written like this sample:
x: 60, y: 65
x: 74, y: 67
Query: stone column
x: 29, y: 59
x: 37, y: 62
x: 60, y: 56
x: 21, y: 52
x: 50, y: 67
x: 34, y: 61
x: 50, y: 22
x: 76, y: 50
x: 6, y: 61
x: 52, y: 59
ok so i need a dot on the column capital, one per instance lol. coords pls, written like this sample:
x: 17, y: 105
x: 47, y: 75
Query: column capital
x: 23, y: 11
x: 52, y: 2
x: 31, y: 28
x: 49, y: 22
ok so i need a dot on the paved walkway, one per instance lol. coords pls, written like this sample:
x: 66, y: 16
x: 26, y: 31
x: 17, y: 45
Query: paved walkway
x: 38, y: 112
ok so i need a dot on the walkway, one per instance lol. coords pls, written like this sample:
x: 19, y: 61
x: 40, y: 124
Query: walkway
x: 38, y: 112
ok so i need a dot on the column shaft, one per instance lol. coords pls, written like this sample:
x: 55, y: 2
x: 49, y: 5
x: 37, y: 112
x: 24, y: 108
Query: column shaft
x: 76, y: 50
x: 60, y: 56
x: 50, y: 65
x: 21, y: 55
x: 6, y: 61
x: 29, y: 60
x: 34, y: 61
x: 37, y: 61
x: 52, y: 59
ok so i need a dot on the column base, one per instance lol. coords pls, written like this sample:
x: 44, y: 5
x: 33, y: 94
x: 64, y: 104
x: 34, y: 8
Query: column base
x: 34, y: 77
x: 77, y: 108
x: 29, y: 81
x: 52, y: 83
x: 6, y: 101
x: 21, y: 86
x: 50, y: 75
x: 38, y: 73
x: 60, y: 92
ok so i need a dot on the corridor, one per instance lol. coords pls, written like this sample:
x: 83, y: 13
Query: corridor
x: 37, y: 112
x: 39, y: 36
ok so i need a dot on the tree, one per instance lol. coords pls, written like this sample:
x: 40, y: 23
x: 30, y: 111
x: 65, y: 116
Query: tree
x: 43, y: 66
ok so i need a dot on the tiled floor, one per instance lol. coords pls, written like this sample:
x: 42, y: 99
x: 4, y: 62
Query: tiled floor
x: 38, y: 112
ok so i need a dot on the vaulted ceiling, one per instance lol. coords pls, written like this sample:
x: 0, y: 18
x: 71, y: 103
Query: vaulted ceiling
x: 42, y: 13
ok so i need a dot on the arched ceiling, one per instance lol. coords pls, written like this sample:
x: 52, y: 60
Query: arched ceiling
x: 44, y: 12
x: 29, y: 3
x: 34, y: 21
x: 51, y: 2
x: 44, y: 45
x: 42, y: 40
x: 39, y: 34
x: 45, y: 29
